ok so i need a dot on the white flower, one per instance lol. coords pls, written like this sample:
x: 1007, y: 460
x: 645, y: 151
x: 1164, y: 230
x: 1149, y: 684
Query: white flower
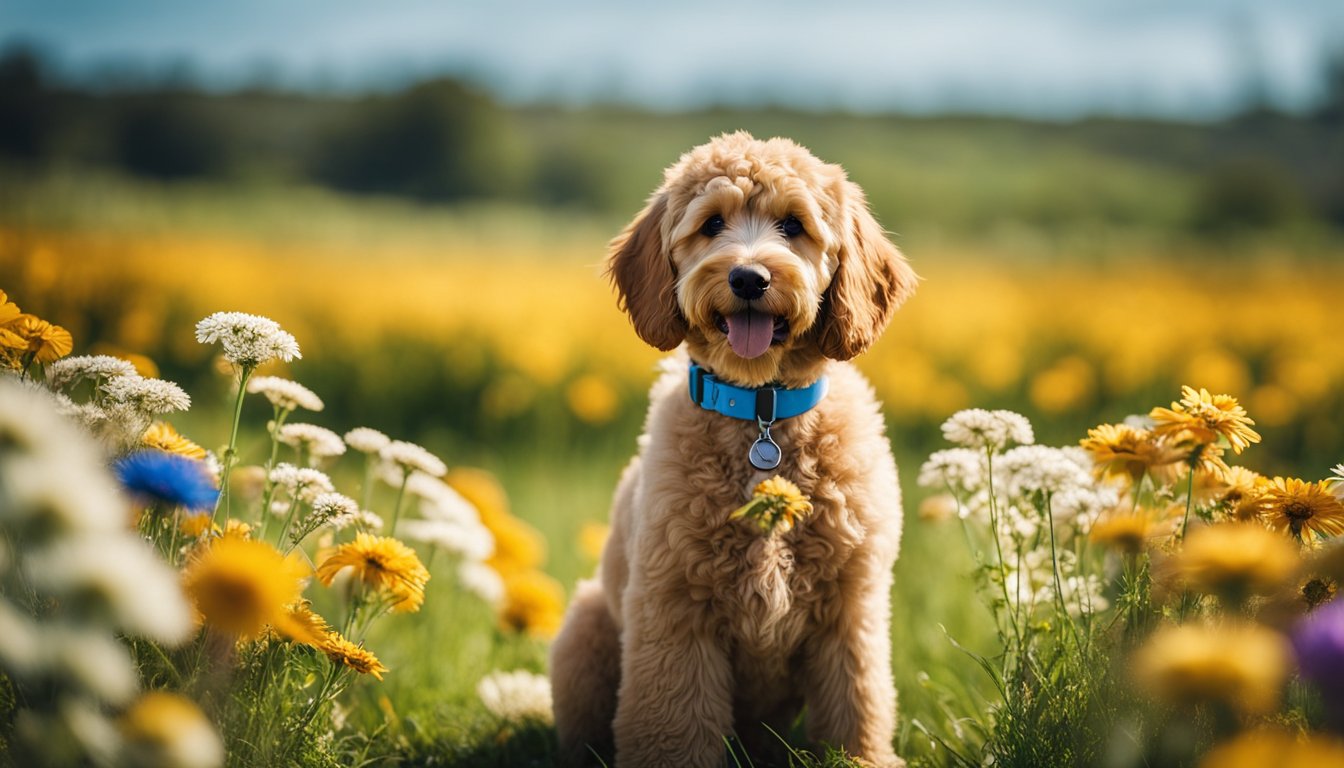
x: 285, y: 394
x: 247, y: 340
x: 318, y: 442
x: 121, y: 575
x: 88, y: 415
x: 411, y: 457
x: 1031, y: 469
x: 1083, y: 595
x: 21, y: 650
x: 334, y: 504
x: 1337, y: 482
x: 366, y: 440
x: 93, y: 659
x: 961, y: 468
x: 43, y: 498
x: 369, y: 521
x: 517, y: 696
x: 471, y: 540
x: 978, y: 428
x: 301, y: 482
x: 71, y: 370
x: 481, y: 580
x: 145, y: 396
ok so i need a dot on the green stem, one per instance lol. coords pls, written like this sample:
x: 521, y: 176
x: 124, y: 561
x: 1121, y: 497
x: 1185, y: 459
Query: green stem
x: 998, y: 547
x: 268, y: 493
x: 231, y: 453
x: 1189, y: 501
x: 396, y: 509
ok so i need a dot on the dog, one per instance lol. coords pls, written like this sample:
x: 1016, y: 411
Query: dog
x: 763, y: 267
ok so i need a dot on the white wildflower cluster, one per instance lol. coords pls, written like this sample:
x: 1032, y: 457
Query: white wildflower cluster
x: 68, y: 371
x: 72, y: 578
x: 247, y: 340
x: 311, y: 440
x: 1031, y: 488
x: 300, y: 483
x: 981, y: 429
x: 517, y: 696
x: 146, y: 396
x: 285, y: 394
x: 366, y: 440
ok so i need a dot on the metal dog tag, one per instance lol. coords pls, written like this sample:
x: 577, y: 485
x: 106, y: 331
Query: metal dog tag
x: 764, y: 453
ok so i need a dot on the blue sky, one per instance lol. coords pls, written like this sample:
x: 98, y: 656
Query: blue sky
x: 1050, y: 58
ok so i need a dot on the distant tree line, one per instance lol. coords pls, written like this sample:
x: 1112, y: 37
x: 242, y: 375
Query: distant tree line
x: 444, y: 141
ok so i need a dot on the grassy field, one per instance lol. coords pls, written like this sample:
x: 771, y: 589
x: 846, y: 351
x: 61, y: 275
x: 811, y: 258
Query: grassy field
x: 486, y: 333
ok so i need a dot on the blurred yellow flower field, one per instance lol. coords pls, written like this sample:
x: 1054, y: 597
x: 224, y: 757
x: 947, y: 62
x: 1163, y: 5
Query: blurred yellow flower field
x: 1072, y: 344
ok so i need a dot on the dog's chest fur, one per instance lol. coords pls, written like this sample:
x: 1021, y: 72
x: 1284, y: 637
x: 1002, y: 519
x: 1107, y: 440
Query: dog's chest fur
x: 763, y: 590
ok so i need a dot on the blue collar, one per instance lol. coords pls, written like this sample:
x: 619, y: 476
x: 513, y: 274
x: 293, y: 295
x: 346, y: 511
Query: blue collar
x: 765, y: 404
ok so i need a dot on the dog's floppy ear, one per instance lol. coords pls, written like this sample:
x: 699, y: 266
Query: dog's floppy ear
x: 641, y: 269
x: 871, y: 281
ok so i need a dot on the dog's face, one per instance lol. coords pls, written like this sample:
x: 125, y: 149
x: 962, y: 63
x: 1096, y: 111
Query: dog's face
x: 762, y: 258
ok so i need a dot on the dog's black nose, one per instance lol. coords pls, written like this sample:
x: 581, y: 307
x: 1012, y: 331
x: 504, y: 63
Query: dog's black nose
x: 749, y: 281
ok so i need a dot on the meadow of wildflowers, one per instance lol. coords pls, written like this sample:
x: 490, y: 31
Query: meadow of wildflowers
x: 165, y: 604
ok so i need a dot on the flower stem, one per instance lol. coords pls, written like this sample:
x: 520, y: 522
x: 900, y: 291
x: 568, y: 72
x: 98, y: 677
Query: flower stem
x: 396, y: 509
x: 231, y: 453
x: 1189, y: 502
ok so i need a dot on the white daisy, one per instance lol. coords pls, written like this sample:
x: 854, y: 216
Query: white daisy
x: 72, y: 370
x: 961, y: 468
x: 120, y: 575
x: 481, y: 580
x: 285, y: 394
x: 247, y: 340
x: 472, y: 541
x: 411, y: 457
x: 517, y: 696
x: 94, y: 660
x: 146, y: 396
x: 1037, y: 469
x: 366, y: 440
x: 331, y: 505
x: 302, y: 482
x: 978, y: 428
x: 317, y: 442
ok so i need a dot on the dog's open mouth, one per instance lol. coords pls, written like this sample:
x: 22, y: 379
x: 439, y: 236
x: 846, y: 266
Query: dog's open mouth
x: 751, y: 331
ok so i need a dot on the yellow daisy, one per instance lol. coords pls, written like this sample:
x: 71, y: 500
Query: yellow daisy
x: 357, y: 657
x: 1120, y: 450
x: 1306, y: 510
x: 1236, y: 560
x: 1132, y: 531
x: 241, y: 586
x: 383, y: 564
x: 163, y: 437
x: 1238, y: 666
x: 775, y: 503
x: 46, y: 342
x: 1279, y: 748
x: 1238, y: 492
x: 533, y: 603
x: 1205, y: 417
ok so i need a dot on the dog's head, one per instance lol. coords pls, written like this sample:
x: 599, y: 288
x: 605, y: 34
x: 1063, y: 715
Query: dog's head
x: 762, y: 258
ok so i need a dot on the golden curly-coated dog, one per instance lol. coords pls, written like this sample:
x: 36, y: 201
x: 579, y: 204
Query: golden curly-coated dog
x: 765, y: 264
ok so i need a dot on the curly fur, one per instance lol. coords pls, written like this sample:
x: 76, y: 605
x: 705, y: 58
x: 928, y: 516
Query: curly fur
x: 697, y: 627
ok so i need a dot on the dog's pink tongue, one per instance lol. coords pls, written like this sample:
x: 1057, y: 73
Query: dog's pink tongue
x: 749, y: 333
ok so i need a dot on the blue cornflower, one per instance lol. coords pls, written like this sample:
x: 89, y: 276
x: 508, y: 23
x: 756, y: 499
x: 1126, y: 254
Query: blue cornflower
x: 169, y: 479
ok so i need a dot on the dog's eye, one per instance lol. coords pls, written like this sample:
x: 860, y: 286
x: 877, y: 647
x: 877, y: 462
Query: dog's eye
x: 712, y: 226
x: 791, y: 226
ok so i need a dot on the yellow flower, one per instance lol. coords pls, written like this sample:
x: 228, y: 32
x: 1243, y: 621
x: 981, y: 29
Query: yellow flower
x: 163, y: 437
x: 241, y: 587
x: 193, y: 525
x: 1318, y: 591
x: 775, y: 503
x: 168, y: 731
x: 1306, y: 510
x: 1279, y: 748
x: 1238, y: 666
x: 533, y: 603
x: 1236, y: 560
x: 45, y: 342
x: 237, y: 529
x: 1205, y: 417
x: 592, y: 539
x: 1120, y: 450
x: 357, y: 657
x: 9, y: 311
x: 592, y: 399
x: 315, y: 628
x: 1238, y: 491
x: 382, y: 563
x: 1130, y: 531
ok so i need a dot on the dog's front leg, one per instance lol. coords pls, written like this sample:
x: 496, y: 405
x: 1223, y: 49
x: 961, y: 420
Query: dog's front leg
x: 851, y: 699
x: 675, y: 703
